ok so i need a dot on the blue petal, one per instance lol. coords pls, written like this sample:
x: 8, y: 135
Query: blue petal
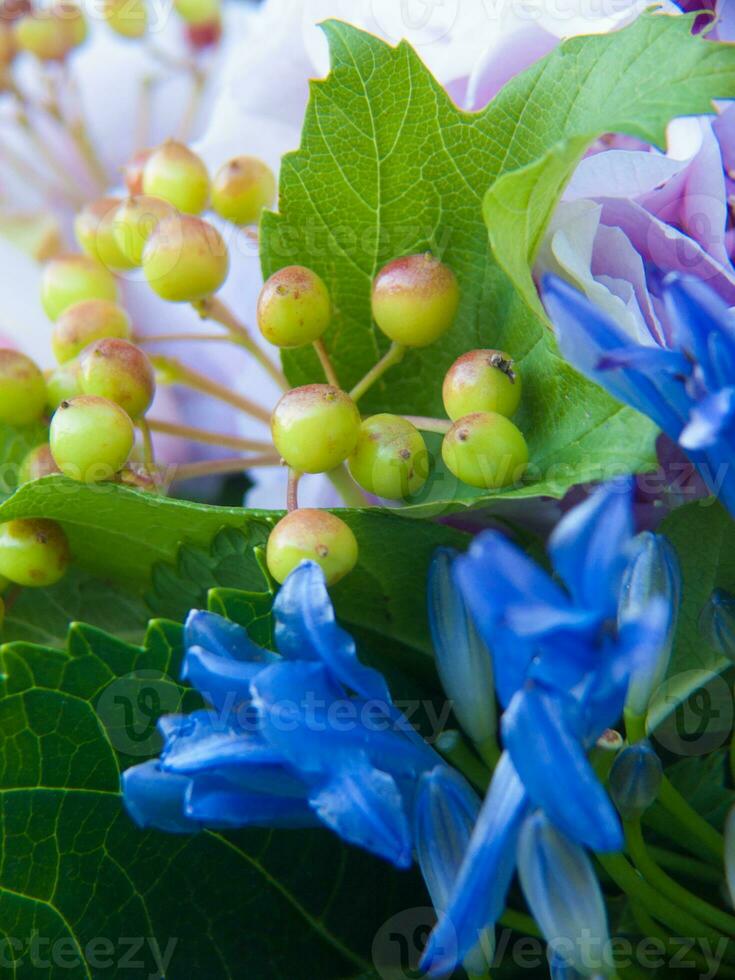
x: 479, y: 894
x: 717, y: 623
x: 205, y: 742
x: 215, y: 802
x: 365, y: 807
x: 307, y: 718
x: 711, y: 420
x: 155, y: 798
x: 589, y: 547
x: 462, y: 659
x: 222, y: 682
x: 538, y: 732
x: 306, y: 630
x: 696, y: 313
x: 220, y: 637
x: 563, y: 894
x: 586, y: 336
x: 635, y: 779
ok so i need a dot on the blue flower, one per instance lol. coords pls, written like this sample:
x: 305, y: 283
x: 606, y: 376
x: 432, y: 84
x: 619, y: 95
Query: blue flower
x: 688, y: 389
x: 304, y: 737
x: 635, y: 779
x: 562, y: 666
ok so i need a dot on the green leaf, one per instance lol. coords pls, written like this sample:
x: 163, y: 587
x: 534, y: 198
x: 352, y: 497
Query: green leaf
x: 76, y: 873
x: 702, y: 782
x: 15, y: 444
x: 704, y: 537
x: 173, y: 552
x: 389, y: 166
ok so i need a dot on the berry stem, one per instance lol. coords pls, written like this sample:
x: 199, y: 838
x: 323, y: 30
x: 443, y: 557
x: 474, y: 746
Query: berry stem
x: 198, y: 81
x: 173, y: 371
x: 329, y: 372
x: 672, y: 800
x: 219, y: 467
x: 429, y: 425
x: 208, y: 438
x: 292, y: 494
x: 78, y: 129
x: 164, y: 338
x: 347, y: 488
x: 394, y: 355
x: 214, y: 309
x: 149, y: 455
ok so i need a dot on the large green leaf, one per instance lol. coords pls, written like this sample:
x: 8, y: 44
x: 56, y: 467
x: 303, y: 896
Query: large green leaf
x: 174, y: 551
x: 101, y: 897
x: 704, y: 537
x: 15, y: 444
x: 389, y: 166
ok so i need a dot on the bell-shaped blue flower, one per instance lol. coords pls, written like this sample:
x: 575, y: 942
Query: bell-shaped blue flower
x: 462, y: 659
x: 653, y: 571
x: 635, y: 779
x: 688, y: 389
x: 301, y: 737
x: 564, y: 895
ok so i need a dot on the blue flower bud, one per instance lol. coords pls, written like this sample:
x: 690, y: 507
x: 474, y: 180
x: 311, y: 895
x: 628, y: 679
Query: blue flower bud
x: 635, y: 780
x: 717, y: 623
x: 462, y: 659
x: 653, y: 572
x: 564, y: 896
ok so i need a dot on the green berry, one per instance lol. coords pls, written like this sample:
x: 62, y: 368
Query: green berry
x: 119, y: 371
x: 242, y: 188
x: 415, y: 300
x: 46, y: 35
x: 135, y: 222
x: 133, y: 172
x: 178, y: 175
x: 185, y: 259
x: 198, y: 11
x: 311, y: 535
x: 485, y: 450
x: 91, y: 438
x: 72, y: 278
x: 391, y: 459
x: 315, y: 428
x: 22, y: 389
x: 85, y: 322
x: 482, y: 381
x: 38, y: 463
x: 128, y: 18
x: 33, y: 552
x: 294, y: 307
x: 62, y: 384
x: 94, y: 230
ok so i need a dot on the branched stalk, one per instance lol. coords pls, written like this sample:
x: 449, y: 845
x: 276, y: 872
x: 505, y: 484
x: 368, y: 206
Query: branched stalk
x: 165, y: 338
x: 329, y: 373
x: 175, y: 372
x: 209, y: 438
x: 149, y: 456
x: 672, y: 800
x: 292, y: 493
x: 394, y: 355
x: 429, y: 425
x: 218, y: 467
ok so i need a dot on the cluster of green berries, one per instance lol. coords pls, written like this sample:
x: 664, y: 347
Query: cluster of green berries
x: 318, y: 427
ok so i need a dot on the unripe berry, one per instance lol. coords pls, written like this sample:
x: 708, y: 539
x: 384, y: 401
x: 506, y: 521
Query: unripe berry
x: 185, y: 259
x: 294, y: 307
x: 7, y: 46
x: 133, y: 172
x: 128, y: 18
x: 22, y: 389
x: 72, y: 278
x: 415, y: 300
x: 202, y: 36
x: 119, y: 371
x: 311, y: 535
x: 485, y: 450
x: 33, y: 552
x: 391, y: 459
x: 38, y: 463
x: 62, y: 384
x: 94, y: 229
x: 81, y: 324
x: 482, y: 381
x: 45, y: 35
x: 242, y: 188
x: 198, y: 11
x: 73, y: 18
x: 315, y: 428
x: 178, y: 175
x: 91, y: 438
x: 135, y: 221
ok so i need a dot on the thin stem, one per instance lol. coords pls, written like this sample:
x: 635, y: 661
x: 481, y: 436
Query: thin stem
x: 684, y: 865
x: 218, y: 467
x: 198, y: 80
x: 672, y: 800
x: 327, y: 367
x: 394, y: 355
x: 667, y: 826
x: 149, y: 456
x: 489, y: 752
x: 635, y: 727
x: 143, y: 113
x: 292, y: 493
x: 209, y: 438
x: 672, y: 889
x: 214, y: 309
x: 651, y: 930
x: 347, y: 488
x: 164, y: 338
x: 77, y: 129
x: 429, y: 425
x: 174, y: 372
